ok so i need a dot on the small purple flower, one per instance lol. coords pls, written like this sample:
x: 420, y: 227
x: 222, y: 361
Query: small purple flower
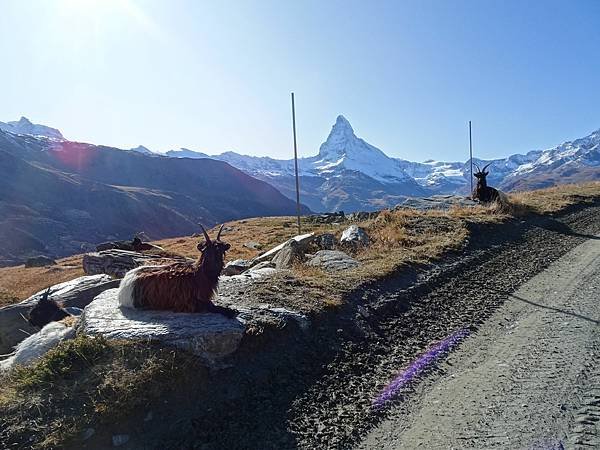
x: 418, y: 366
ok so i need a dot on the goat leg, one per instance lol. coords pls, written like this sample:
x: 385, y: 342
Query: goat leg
x: 210, y: 307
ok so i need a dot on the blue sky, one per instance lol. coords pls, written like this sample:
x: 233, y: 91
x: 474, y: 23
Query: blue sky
x: 216, y: 76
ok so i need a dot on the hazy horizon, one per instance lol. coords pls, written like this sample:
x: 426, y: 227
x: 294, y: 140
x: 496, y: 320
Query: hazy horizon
x: 212, y: 77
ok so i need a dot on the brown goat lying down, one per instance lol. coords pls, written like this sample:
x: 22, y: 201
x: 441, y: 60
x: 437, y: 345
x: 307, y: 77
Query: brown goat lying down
x: 179, y: 287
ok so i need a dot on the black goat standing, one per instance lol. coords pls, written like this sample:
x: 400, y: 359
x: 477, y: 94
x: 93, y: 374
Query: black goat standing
x: 482, y: 191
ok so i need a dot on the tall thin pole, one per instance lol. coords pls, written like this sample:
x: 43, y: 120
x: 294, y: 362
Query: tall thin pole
x: 296, y: 164
x: 471, y: 155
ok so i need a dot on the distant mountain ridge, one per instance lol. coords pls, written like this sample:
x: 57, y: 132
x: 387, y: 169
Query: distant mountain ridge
x: 59, y: 197
x: 24, y: 126
x: 349, y: 174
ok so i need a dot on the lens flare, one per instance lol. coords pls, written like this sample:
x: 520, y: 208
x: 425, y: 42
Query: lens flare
x: 432, y: 354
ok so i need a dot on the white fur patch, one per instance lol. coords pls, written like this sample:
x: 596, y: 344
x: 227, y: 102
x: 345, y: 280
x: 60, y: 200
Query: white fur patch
x: 37, y: 345
x: 125, y: 294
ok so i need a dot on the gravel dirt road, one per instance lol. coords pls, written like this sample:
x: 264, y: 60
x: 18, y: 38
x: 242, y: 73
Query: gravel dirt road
x: 528, y: 378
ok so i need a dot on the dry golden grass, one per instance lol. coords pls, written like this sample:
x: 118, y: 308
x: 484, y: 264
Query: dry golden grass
x: 555, y: 199
x: 19, y: 282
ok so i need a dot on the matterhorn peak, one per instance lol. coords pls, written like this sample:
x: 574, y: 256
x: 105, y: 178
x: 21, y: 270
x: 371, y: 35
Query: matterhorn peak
x: 342, y: 127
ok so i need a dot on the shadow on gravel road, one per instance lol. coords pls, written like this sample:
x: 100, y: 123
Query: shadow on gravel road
x: 562, y: 311
x: 562, y: 228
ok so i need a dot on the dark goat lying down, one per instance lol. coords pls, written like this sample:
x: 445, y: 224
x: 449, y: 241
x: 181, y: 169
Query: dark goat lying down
x: 178, y: 287
x: 48, y: 310
x: 482, y: 191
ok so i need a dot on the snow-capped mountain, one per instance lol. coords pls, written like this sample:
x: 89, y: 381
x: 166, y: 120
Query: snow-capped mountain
x: 347, y: 173
x: 350, y: 174
x: 24, y: 126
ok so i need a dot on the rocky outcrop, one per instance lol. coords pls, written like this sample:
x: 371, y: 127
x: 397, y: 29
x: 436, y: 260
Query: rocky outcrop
x: 334, y: 217
x: 236, y: 267
x: 79, y: 292
x: 135, y: 245
x: 118, y: 262
x: 443, y: 202
x: 39, y: 261
x: 332, y: 261
x: 37, y: 345
x: 209, y: 336
x: 289, y: 254
x: 303, y: 241
x: 355, y: 237
x: 326, y: 241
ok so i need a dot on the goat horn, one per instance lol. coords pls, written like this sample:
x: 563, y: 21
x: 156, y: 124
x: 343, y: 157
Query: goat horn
x: 219, y: 233
x: 205, y: 233
x: 475, y: 164
x: 486, y: 166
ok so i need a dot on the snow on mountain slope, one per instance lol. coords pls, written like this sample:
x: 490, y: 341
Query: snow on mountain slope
x: 341, y: 151
x: 24, y: 126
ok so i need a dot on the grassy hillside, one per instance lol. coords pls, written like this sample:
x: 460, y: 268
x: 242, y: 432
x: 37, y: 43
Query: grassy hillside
x: 399, y: 238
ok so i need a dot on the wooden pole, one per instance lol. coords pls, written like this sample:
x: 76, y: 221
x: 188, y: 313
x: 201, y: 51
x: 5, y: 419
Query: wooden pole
x: 296, y: 164
x: 471, y: 156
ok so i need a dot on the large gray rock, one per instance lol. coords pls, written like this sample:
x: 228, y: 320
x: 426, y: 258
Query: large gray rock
x: 113, y: 262
x: 118, y: 262
x: 289, y: 254
x: 75, y: 293
x: 360, y: 216
x: 355, y: 237
x: 332, y: 261
x: 326, y: 241
x: 37, y: 345
x: 443, y: 202
x: 209, y: 336
x: 236, y: 267
x: 303, y: 240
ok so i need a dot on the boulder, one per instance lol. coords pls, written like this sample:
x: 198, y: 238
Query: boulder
x: 263, y: 265
x: 303, y: 240
x: 236, y: 267
x: 209, y: 336
x: 332, y: 261
x: 37, y: 345
x: 253, y: 245
x: 355, y: 237
x: 78, y: 293
x: 360, y: 216
x: 118, y: 262
x: 326, y: 241
x: 443, y: 202
x: 290, y: 253
x: 135, y: 245
x: 39, y: 261
x: 334, y: 217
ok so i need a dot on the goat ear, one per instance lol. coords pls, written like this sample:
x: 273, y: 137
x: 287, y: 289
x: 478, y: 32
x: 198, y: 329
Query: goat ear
x: 201, y: 246
x: 486, y: 173
x: 227, y: 247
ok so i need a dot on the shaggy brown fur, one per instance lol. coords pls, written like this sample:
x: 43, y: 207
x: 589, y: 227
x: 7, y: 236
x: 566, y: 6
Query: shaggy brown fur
x: 184, y: 287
